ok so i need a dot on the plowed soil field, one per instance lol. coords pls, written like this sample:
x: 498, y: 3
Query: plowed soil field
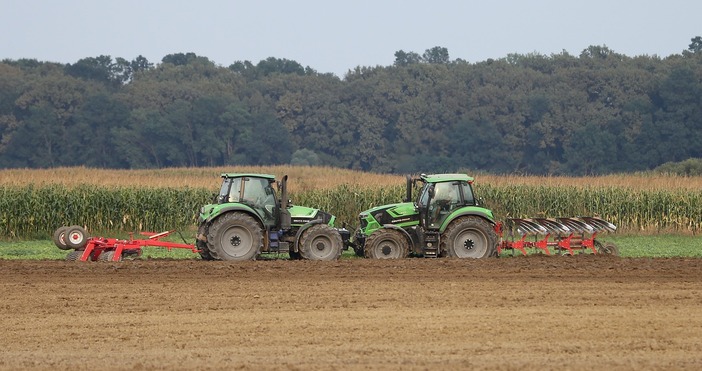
x: 536, y: 312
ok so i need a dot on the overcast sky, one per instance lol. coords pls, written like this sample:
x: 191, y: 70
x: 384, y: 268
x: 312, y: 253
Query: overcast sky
x: 335, y: 36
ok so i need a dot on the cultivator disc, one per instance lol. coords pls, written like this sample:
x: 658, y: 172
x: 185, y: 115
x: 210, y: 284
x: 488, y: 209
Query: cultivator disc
x: 564, y: 235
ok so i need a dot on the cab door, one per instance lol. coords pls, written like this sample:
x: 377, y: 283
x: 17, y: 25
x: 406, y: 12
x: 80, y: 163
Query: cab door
x: 258, y: 193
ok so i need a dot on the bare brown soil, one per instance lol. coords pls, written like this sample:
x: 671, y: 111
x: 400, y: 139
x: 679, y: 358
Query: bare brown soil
x: 582, y: 312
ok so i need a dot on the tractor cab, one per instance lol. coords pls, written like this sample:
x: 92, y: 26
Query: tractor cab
x: 441, y: 195
x: 253, y: 190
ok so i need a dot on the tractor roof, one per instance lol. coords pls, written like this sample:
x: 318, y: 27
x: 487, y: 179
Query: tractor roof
x: 438, y: 178
x: 249, y: 175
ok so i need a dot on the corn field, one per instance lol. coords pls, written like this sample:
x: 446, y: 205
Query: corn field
x: 632, y: 210
x: 35, y: 211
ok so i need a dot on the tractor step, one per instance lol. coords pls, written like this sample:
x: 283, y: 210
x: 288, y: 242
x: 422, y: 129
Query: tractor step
x: 432, y: 241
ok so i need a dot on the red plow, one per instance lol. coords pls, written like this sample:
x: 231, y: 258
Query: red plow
x: 562, y: 235
x: 110, y: 249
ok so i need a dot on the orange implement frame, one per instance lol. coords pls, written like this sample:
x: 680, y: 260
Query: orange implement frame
x: 114, y: 248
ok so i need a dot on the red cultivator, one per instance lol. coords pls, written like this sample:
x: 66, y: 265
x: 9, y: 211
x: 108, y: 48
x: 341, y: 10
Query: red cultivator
x: 110, y: 249
x: 564, y: 235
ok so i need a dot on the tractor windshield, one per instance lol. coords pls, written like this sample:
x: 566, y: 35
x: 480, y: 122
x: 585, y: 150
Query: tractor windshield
x: 230, y: 191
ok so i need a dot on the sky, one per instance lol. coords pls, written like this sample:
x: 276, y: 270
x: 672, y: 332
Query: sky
x: 335, y: 36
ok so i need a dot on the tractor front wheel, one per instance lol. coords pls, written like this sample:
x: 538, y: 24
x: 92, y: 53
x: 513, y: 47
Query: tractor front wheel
x: 469, y: 237
x: 235, y: 236
x: 321, y: 242
x: 386, y: 244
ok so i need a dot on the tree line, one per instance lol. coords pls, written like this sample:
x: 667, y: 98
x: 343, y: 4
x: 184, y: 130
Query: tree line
x: 593, y: 113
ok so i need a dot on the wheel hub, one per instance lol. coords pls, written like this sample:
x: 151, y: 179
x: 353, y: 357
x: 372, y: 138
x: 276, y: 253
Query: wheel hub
x: 386, y: 250
x: 235, y: 240
x: 469, y: 244
x: 320, y: 246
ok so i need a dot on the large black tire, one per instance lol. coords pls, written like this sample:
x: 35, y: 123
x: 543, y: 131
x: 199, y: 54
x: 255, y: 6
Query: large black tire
x: 76, y: 237
x: 59, y: 238
x: 386, y: 243
x: 469, y: 237
x: 74, y: 255
x: 321, y: 242
x: 235, y: 236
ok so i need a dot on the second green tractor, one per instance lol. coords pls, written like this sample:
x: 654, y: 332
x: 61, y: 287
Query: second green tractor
x: 445, y: 220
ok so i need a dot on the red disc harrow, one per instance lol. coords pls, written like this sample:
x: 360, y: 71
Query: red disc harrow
x: 110, y: 249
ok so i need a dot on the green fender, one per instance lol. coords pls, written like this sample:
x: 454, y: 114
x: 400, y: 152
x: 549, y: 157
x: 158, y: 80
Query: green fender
x: 404, y: 232
x: 237, y: 207
x: 469, y: 211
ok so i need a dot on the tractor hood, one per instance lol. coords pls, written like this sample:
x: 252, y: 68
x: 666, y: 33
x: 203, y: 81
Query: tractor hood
x: 301, y: 215
x: 402, y: 214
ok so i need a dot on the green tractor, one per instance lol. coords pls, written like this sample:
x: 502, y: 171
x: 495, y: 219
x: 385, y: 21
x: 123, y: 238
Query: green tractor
x: 246, y: 219
x: 445, y: 220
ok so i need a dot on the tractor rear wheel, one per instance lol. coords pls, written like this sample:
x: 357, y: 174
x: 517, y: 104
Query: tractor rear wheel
x: 321, y: 242
x: 76, y: 237
x: 386, y: 243
x: 469, y: 237
x: 235, y: 236
x: 59, y: 238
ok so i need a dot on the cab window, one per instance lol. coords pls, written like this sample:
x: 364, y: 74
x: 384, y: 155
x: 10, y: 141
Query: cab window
x: 234, y: 189
x: 467, y: 190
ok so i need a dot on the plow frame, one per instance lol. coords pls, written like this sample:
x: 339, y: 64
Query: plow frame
x: 97, y: 246
x: 564, y: 235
